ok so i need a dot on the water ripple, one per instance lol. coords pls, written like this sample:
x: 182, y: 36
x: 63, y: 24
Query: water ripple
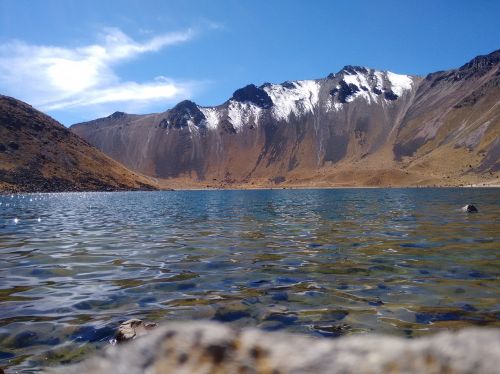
x: 322, y: 262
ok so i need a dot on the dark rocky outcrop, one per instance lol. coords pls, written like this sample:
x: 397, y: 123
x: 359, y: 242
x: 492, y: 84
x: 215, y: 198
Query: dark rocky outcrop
x: 475, y: 68
x: 179, y: 116
x: 254, y: 95
x: 344, y: 91
x: 117, y: 115
x: 389, y: 95
x: 350, y: 69
x: 478, y: 66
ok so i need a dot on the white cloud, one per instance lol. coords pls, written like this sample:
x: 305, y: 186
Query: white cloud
x: 55, y: 78
x: 127, y: 92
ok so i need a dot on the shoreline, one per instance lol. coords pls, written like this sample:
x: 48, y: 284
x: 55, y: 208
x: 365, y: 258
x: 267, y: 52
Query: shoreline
x: 260, y: 188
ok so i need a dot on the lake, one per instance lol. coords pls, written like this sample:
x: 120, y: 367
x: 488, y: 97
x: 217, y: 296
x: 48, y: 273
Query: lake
x: 405, y: 262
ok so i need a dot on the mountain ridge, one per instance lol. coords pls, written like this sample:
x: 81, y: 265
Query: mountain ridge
x: 291, y: 131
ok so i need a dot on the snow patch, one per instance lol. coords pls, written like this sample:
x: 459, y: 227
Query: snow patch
x: 241, y: 114
x: 332, y: 106
x: 399, y: 82
x: 212, y: 117
x: 191, y: 126
x: 357, y: 79
x: 360, y: 80
x: 300, y: 99
x: 380, y: 80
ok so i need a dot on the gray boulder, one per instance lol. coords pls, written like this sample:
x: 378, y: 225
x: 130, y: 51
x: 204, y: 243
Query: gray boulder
x: 209, y: 347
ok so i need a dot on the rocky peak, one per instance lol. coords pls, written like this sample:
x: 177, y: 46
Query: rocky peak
x: 117, y: 115
x: 182, y: 114
x: 483, y: 61
x: 253, y: 94
x: 348, y: 70
x: 480, y: 65
x: 186, y: 106
x: 288, y: 84
x: 476, y: 67
x: 352, y: 70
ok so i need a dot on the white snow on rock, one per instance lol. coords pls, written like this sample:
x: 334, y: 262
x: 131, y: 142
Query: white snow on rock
x: 359, y: 80
x: 241, y: 114
x: 300, y: 99
x: 399, y: 82
x: 192, y: 127
x: 332, y: 106
x: 380, y: 80
x: 212, y: 117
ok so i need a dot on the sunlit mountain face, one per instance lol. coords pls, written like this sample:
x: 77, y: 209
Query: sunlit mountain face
x: 358, y: 126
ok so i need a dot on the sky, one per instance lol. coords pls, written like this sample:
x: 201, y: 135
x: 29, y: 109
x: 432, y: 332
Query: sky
x: 80, y: 60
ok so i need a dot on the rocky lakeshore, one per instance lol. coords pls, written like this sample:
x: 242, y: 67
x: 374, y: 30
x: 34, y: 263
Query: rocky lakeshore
x: 209, y: 347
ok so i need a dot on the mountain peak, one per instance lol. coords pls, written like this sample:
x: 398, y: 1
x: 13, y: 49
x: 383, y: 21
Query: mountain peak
x: 481, y: 64
x: 182, y: 115
x: 117, y: 115
x: 185, y: 105
x: 477, y: 67
x: 253, y: 94
x: 350, y: 69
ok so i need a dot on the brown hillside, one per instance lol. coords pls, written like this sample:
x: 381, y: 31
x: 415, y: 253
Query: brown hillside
x: 39, y: 154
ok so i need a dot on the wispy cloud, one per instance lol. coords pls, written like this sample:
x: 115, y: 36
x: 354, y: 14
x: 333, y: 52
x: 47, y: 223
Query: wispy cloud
x: 56, y: 78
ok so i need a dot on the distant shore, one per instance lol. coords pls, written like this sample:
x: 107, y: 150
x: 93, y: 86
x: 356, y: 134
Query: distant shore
x: 7, y: 191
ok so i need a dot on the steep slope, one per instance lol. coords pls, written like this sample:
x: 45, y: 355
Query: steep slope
x: 39, y: 154
x: 456, y: 113
x: 357, y: 127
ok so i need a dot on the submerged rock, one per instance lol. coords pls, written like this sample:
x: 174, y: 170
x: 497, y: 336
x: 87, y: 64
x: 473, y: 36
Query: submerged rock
x: 208, y: 347
x: 132, y: 329
x: 469, y: 208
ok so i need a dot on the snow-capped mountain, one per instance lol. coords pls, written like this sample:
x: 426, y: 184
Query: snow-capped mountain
x: 359, y: 116
x: 251, y: 106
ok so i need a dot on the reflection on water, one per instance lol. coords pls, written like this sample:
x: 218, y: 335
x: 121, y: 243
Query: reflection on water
x: 322, y: 262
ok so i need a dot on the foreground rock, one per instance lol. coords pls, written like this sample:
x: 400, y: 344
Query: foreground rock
x: 207, y: 347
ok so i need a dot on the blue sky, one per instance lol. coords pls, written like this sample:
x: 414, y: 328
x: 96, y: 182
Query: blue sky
x: 78, y: 60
